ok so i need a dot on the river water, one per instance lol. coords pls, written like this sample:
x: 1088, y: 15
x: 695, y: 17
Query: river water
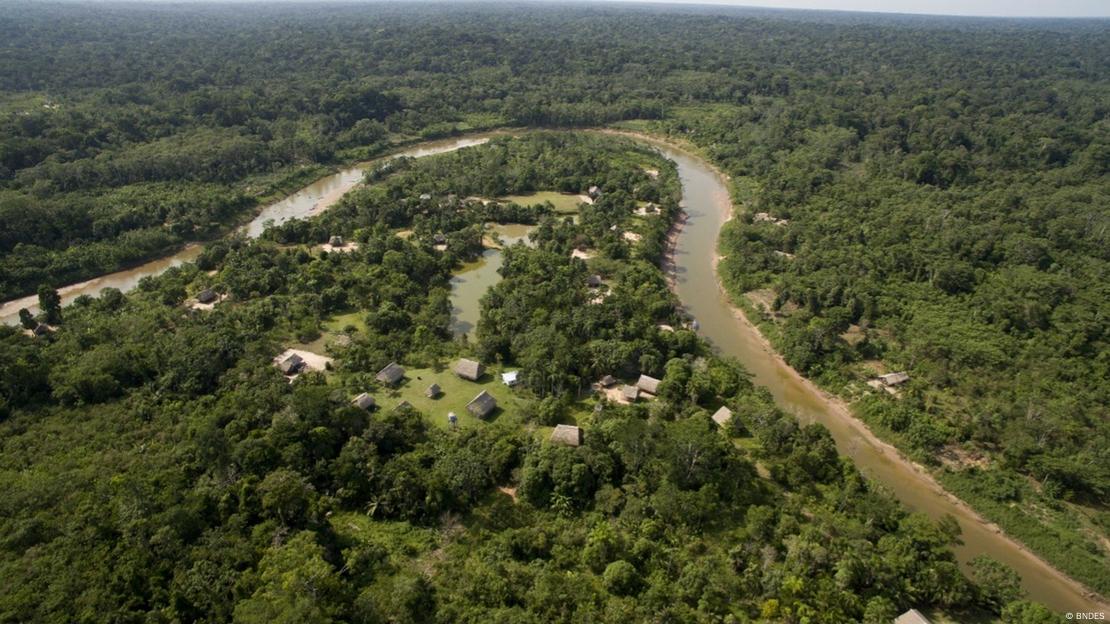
x: 475, y: 278
x: 706, y: 202
x: 304, y: 203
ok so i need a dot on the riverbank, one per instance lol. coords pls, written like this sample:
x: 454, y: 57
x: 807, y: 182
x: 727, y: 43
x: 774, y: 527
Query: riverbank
x: 728, y: 327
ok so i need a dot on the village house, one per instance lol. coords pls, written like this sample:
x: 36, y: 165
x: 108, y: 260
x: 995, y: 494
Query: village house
x: 391, y: 374
x: 566, y: 434
x: 608, y: 381
x: 336, y: 241
x: 439, y: 238
x: 913, y: 616
x: 291, y: 365
x: 648, y: 384
x: 510, y: 378
x: 894, y: 379
x: 363, y: 401
x: 433, y: 391
x: 722, y: 416
x: 593, y: 281
x: 469, y: 369
x: 206, y: 296
x: 42, y: 329
x: 482, y: 405
x: 630, y: 393
x: 594, y: 192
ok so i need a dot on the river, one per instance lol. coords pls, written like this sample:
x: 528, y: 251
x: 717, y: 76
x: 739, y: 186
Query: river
x: 705, y: 200
x: 304, y: 203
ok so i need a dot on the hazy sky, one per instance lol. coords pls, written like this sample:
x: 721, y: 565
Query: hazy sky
x: 1012, y: 8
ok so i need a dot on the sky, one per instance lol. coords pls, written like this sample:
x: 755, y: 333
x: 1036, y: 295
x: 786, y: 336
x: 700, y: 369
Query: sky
x: 1007, y: 8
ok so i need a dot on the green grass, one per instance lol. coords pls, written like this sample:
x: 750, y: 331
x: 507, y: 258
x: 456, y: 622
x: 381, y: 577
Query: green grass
x: 340, y: 321
x: 456, y: 394
x: 564, y: 203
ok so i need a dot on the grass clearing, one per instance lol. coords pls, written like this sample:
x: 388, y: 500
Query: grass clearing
x: 565, y: 203
x: 456, y: 393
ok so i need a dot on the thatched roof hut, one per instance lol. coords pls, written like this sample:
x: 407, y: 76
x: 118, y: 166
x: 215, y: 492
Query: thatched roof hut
x: 913, y: 616
x: 567, y: 434
x: 482, y: 405
x: 469, y: 369
x: 722, y: 416
x: 608, y: 381
x: 391, y: 374
x: 291, y: 365
x: 894, y: 379
x: 336, y: 241
x: 433, y: 391
x: 207, y: 296
x: 648, y: 384
x: 593, y: 281
x: 363, y: 401
x: 630, y: 393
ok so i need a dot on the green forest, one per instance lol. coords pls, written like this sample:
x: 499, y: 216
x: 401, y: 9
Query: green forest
x: 912, y: 194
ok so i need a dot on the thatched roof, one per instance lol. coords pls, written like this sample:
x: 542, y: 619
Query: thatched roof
x: 913, y: 616
x: 391, y: 374
x: 363, y: 401
x: 41, y: 329
x: 607, y: 381
x: 593, y: 281
x: 482, y: 405
x: 206, y: 296
x: 722, y: 416
x: 893, y: 379
x: 469, y: 369
x: 648, y: 384
x: 567, y: 434
x: 336, y: 241
x: 631, y: 393
x: 433, y: 391
x: 291, y: 364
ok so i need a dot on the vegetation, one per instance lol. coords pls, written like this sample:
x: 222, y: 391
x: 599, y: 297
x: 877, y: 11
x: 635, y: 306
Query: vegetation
x: 937, y: 189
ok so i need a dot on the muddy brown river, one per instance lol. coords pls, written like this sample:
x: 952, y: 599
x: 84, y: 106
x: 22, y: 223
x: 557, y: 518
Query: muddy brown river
x: 706, y: 202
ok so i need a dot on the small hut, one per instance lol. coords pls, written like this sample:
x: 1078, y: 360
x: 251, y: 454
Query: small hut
x: 433, y: 391
x: 913, y: 616
x: 469, y: 369
x: 391, y: 374
x: 291, y: 365
x: 894, y: 379
x: 452, y: 419
x: 482, y: 405
x: 593, y: 281
x: 648, y: 384
x: 363, y: 401
x: 567, y: 434
x: 608, y: 381
x: 403, y: 405
x: 594, y: 192
x: 206, y: 296
x: 336, y: 241
x: 630, y: 393
x: 722, y: 416
x: 439, y: 238
x: 510, y: 378
x: 42, y: 329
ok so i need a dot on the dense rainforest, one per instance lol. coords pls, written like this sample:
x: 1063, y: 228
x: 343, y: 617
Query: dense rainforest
x: 928, y: 195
